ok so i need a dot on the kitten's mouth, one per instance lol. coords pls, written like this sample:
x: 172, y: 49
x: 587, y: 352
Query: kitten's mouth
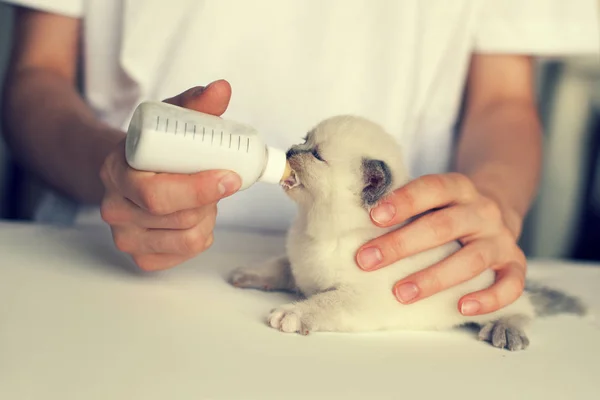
x: 292, y: 181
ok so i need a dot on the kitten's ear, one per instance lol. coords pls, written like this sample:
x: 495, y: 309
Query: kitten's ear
x: 377, y: 178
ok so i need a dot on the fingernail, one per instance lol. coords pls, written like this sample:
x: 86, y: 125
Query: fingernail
x: 199, y: 91
x: 406, y: 292
x: 229, y: 184
x: 470, y: 307
x: 369, y: 258
x: 383, y: 213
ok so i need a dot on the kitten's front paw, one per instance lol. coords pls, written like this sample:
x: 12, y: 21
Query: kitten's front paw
x: 289, y: 319
x: 252, y: 278
x: 504, y: 335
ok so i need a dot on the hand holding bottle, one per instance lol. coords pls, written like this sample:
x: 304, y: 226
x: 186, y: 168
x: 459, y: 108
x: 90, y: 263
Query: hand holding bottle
x: 164, y: 219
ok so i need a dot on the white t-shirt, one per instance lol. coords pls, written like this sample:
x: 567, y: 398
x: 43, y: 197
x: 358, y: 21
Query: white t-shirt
x: 292, y: 63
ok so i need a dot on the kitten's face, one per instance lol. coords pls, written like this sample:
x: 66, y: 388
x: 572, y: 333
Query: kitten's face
x: 344, y: 157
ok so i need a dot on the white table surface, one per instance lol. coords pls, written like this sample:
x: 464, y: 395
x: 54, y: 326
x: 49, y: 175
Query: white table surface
x: 77, y: 323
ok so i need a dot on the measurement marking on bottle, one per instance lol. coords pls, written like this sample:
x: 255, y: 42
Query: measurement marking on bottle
x: 185, y: 130
x: 194, y: 132
x: 176, y: 123
x: 230, y: 140
x: 212, y: 138
x: 203, y: 132
x: 157, y: 121
x: 239, y: 141
x: 221, y: 138
x: 248, y: 145
x: 167, y: 126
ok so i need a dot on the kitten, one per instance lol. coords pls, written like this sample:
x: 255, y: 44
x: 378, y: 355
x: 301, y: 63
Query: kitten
x: 344, y: 168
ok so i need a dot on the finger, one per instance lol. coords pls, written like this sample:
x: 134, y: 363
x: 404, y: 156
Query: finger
x: 461, y: 266
x: 429, y: 231
x: 162, y: 194
x: 119, y: 211
x: 188, y: 242
x: 159, y: 262
x: 421, y: 195
x: 212, y: 99
x: 509, y: 285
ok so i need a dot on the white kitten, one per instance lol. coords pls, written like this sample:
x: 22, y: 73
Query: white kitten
x: 345, y: 167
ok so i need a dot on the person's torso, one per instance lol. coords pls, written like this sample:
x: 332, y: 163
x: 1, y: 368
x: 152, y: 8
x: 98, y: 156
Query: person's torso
x: 291, y: 64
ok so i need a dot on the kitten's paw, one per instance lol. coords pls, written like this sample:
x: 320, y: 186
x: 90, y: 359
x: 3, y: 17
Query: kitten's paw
x: 289, y: 319
x: 252, y: 278
x: 504, y: 335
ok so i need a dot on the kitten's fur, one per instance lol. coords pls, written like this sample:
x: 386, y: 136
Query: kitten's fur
x: 362, y: 164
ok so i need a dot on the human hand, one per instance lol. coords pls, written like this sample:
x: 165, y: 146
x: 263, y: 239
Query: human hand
x: 161, y: 219
x: 459, y: 212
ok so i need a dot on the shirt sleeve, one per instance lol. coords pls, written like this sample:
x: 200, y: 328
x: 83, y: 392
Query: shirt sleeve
x: 70, y: 8
x: 539, y: 27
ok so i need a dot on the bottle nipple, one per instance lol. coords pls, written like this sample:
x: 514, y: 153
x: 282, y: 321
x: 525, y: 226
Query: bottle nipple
x: 287, y: 172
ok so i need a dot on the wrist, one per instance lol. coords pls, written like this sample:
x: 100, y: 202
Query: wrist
x: 68, y: 155
x: 87, y: 144
x: 103, y: 142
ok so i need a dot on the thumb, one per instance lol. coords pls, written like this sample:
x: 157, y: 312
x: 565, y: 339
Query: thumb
x: 212, y: 99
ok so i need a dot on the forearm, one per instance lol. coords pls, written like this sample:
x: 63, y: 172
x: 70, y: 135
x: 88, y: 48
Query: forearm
x: 500, y: 150
x: 53, y: 133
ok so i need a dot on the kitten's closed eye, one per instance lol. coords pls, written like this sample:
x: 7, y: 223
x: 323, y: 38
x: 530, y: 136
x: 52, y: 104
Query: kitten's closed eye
x: 315, y: 153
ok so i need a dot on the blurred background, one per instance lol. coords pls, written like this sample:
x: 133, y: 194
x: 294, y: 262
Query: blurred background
x: 565, y: 219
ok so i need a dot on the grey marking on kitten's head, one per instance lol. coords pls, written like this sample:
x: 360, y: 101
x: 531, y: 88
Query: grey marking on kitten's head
x: 377, y: 178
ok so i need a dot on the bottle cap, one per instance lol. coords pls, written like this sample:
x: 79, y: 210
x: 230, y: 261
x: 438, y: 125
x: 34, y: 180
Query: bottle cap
x: 275, y: 166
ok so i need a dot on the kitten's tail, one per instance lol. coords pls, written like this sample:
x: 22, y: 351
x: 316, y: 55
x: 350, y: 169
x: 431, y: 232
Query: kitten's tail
x: 547, y: 301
